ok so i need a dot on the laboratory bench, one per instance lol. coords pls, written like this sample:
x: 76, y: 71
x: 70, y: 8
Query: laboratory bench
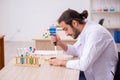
x: 44, y: 72
x: 46, y: 44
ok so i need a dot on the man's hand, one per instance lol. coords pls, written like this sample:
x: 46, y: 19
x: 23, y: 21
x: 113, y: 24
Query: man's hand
x: 56, y: 39
x: 59, y: 42
x: 57, y: 62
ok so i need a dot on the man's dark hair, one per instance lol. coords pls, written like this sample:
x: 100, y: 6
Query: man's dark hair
x: 69, y: 15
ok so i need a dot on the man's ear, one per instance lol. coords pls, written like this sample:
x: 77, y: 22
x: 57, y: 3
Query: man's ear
x: 74, y: 23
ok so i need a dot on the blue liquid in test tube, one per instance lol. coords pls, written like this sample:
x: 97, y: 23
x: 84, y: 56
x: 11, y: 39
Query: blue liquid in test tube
x: 22, y: 59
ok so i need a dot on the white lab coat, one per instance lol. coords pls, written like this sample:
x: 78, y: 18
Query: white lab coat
x: 97, y: 51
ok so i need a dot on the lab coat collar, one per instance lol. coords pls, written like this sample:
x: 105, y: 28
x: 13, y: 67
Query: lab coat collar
x: 84, y: 30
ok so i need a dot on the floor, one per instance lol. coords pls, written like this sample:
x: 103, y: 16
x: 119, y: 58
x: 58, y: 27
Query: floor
x: 10, y: 48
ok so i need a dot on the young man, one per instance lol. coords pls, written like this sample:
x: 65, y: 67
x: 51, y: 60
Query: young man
x: 95, y: 47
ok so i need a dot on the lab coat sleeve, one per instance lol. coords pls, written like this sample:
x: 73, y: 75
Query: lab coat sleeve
x: 71, y: 51
x: 73, y: 64
x: 95, y: 44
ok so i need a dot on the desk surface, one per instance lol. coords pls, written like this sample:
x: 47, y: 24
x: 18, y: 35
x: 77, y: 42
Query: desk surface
x: 44, y: 72
x: 49, y: 39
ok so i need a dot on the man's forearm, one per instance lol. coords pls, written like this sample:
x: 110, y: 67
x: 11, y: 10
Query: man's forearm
x: 63, y: 46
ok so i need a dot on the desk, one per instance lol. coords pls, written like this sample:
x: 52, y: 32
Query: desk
x: 44, y: 72
x: 1, y: 51
x: 45, y: 44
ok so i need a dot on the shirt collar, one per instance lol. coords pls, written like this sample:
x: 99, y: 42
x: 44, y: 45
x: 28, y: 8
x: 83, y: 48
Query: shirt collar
x: 84, y: 30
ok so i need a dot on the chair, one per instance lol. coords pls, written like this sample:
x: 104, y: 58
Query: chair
x: 117, y: 73
x: 101, y: 21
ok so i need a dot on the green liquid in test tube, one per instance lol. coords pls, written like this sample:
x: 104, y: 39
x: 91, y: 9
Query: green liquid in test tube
x: 31, y: 60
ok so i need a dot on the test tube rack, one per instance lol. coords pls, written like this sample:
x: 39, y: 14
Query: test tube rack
x: 27, y: 63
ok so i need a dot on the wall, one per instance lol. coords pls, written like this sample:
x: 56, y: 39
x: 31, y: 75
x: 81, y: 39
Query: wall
x: 21, y: 20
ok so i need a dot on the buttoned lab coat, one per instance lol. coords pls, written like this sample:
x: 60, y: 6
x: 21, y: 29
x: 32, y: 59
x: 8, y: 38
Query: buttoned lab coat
x: 97, y: 51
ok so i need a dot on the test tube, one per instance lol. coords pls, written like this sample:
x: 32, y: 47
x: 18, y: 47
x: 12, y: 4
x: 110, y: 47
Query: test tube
x: 18, y: 51
x: 22, y: 59
x: 30, y: 48
x: 31, y: 60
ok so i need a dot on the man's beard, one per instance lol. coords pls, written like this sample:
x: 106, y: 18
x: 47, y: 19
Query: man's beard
x: 75, y: 33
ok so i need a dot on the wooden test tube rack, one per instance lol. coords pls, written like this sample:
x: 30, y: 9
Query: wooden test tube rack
x: 27, y: 61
